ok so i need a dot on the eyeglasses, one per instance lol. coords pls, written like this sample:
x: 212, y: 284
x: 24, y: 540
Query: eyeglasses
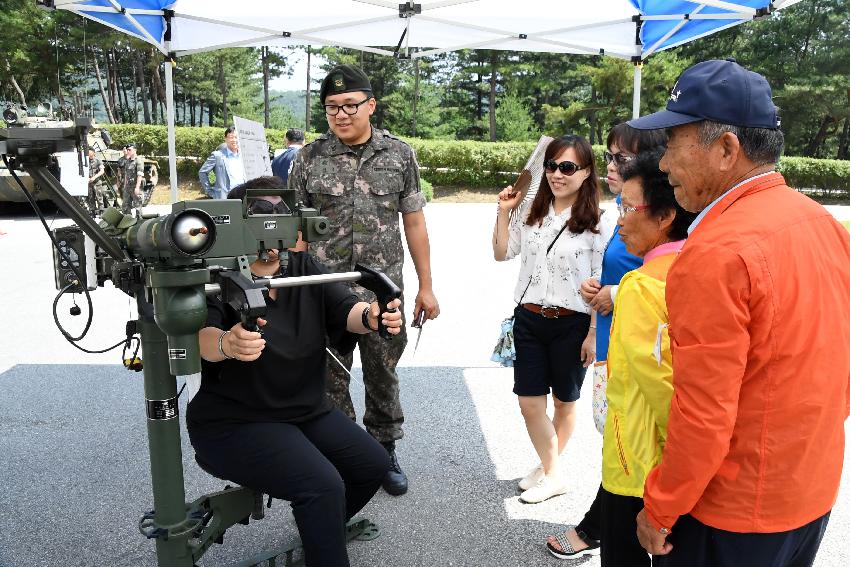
x: 264, y: 207
x: 619, y: 157
x: 624, y: 210
x: 566, y: 167
x: 349, y: 109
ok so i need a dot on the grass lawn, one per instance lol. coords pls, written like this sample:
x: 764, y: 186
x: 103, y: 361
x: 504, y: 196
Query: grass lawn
x: 186, y: 191
x: 846, y: 224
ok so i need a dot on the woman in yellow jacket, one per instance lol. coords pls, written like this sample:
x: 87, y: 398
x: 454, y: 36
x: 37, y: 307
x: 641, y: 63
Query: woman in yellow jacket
x: 640, y: 378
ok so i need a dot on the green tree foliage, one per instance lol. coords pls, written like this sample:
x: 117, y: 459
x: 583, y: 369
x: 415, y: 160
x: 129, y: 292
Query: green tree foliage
x: 804, y: 51
x: 27, y: 60
x: 429, y: 111
x: 514, y: 122
x: 282, y: 118
x: 604, y: 97
x: 467, y: 76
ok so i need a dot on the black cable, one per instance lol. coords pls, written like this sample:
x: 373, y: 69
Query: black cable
x: 65, y: 257
x: 66, y: 334
x: 62, y: 292
x: 127, y: 342
x: 100, y: 351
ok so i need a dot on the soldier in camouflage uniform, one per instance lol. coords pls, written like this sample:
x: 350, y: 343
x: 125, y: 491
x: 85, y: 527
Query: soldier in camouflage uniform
x: 362, y: 178
x: 97, y: 189
x: 131, y: 168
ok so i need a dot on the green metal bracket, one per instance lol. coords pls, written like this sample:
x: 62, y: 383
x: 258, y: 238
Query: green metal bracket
x: 360, y: 529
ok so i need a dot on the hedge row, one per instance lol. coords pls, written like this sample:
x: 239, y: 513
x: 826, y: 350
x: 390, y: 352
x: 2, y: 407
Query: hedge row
x: 821, y: 175
x: 447, y: 162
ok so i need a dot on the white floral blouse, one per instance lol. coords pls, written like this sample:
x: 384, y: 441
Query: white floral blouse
x: 556, y: 277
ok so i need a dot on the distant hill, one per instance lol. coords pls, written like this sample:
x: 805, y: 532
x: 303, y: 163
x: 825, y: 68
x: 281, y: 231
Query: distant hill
x: 291, y: 107
x: 295, y: 101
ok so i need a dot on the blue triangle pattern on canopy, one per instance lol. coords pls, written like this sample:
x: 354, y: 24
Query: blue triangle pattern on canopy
x: 152, y: 24
x: 654, y: 31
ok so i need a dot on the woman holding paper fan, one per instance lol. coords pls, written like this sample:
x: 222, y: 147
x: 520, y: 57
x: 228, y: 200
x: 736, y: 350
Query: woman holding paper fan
x: 560, y: 239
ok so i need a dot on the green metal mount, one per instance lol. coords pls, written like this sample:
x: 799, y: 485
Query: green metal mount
x: 209, y: 517
x: 184, y: 532
x: 359, y: 529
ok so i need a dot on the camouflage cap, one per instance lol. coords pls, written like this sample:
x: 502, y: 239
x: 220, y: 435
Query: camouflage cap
x: 344, y: 79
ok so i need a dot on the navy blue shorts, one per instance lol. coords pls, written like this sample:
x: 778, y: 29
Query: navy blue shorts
x: 548, y: 354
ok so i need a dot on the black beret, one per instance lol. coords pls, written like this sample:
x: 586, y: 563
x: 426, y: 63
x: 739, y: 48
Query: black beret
x: 344, y: 79
x: 129, y: 145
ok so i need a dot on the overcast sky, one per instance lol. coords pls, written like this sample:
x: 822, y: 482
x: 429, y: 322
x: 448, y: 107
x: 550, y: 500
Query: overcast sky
x: 298, y: 81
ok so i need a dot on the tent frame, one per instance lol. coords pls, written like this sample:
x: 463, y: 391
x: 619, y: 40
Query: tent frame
x: 409, y: 11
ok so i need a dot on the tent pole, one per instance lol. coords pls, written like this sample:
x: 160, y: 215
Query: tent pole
x: 636, y: 95
x: 172, y: 141
x: 415, y: 92
x: 307, y: 94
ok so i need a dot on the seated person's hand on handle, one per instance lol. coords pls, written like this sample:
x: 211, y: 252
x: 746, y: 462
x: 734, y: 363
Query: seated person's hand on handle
x: 242, y: 344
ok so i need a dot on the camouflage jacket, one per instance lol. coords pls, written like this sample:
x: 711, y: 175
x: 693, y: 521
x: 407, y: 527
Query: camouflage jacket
x: 130, y: 170
x: 362, y: 198
x: 95, y: 166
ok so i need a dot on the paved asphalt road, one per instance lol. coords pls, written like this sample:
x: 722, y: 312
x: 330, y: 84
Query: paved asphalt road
x: 73, y: 448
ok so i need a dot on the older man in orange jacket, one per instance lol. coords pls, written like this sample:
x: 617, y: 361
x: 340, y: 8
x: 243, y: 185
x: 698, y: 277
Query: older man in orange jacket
x: 759, y: 302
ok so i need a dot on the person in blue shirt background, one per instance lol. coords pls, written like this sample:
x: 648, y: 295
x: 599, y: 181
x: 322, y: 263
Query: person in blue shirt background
x: 226, y: 165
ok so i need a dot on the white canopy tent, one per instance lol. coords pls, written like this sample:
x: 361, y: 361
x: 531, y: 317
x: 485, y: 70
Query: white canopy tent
x: 627, y: 29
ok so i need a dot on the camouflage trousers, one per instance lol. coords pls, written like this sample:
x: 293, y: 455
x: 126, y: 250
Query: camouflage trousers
x: 98, y: 196
x: 128, y: 198
x: 383, y: 417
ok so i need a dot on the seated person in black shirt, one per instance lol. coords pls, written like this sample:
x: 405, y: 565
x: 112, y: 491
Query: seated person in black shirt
x: 261, y: 417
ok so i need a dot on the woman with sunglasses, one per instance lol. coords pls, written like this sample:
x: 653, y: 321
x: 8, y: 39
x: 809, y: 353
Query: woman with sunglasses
x: 261, y: 417
x: 560, y: 242
x: 624, y: 145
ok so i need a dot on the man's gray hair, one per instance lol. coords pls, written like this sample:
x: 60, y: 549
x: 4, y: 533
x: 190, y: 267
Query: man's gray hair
x: 761, y: 145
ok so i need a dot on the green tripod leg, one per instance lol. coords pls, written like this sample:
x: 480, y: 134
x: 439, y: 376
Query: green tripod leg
x: 168, y: 523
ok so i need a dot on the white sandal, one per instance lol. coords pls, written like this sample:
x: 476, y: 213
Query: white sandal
x: 567, y: 551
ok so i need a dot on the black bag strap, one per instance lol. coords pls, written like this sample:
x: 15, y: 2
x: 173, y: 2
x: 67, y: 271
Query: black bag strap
x: 557, y: 236
x: 548, y: 249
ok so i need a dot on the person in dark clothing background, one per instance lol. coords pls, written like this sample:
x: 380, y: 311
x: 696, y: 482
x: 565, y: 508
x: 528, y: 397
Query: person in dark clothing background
x: 282, y: 163
x: 261, y: 417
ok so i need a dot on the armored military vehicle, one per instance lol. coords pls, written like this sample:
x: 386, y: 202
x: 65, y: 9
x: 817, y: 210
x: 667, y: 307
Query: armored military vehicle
x: 99, y: 140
